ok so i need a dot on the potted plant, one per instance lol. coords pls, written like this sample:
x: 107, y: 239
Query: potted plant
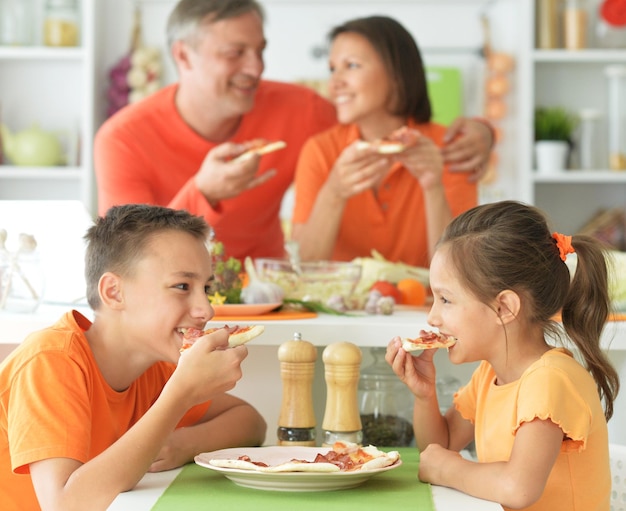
x: 554, y: 127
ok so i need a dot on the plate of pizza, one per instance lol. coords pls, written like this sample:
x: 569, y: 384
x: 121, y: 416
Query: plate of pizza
x: 298, y: 468
x: 245, y: 309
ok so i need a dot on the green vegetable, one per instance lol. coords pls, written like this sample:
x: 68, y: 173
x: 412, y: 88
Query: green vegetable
x: 315, y: 307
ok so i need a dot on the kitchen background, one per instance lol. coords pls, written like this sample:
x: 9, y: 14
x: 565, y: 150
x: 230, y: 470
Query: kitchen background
x: 67, y: 91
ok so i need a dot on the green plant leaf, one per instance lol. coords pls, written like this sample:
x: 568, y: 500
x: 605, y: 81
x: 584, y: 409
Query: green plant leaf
x: 554, y: 123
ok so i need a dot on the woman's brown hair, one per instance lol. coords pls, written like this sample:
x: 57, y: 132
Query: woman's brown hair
x: 401, y: 56
x: 508, y: 245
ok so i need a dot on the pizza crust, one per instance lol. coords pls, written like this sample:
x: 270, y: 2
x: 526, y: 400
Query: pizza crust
x: 383, y: 146
x: 269, y: 147
x: 239, y: 338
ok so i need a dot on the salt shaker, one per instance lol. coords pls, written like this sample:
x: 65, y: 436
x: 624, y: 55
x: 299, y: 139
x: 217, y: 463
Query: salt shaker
x: 342, y: 421
x: 296, y: 422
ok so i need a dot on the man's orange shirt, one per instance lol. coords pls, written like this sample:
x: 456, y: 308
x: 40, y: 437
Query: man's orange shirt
x: 393, y: 220
x: 55, y: 403
x: 147, y: 154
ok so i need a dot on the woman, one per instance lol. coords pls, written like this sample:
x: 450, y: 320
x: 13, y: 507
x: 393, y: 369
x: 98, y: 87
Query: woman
x: 351, y: 199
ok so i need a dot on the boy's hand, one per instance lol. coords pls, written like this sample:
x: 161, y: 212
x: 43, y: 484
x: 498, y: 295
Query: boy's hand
x: 209, y: 367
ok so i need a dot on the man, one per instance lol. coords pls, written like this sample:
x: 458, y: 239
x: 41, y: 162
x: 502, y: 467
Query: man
x: 177, y: 148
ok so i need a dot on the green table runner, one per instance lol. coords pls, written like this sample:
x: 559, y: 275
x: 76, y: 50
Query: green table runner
x: 198, y: 488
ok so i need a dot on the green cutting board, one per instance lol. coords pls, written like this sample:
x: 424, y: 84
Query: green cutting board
x: 445, y: 90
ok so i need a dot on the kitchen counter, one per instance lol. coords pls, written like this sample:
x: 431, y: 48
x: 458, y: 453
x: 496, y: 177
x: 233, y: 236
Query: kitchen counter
x: 364, y: 330
x: 261, y: 384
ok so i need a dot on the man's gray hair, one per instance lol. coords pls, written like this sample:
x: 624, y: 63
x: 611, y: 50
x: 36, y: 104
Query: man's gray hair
x: 188, y: 15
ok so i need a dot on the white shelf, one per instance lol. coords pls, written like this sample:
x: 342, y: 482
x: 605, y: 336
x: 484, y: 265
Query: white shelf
x: 41, y: 53
x: 581, y: 176
x: 579, y: 56
x: 18, y: 172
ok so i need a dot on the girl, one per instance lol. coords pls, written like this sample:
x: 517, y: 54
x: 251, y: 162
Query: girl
x: 350, y: 199
x: 498, y: 279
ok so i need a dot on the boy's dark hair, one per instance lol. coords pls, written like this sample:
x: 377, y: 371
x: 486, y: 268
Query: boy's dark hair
x: 401, y: 57
x: 508, y: 245
x: 117, y: 240
x: 188, y: 15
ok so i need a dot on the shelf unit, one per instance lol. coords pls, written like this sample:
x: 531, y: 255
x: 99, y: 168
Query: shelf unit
x: 53, y: 88
x: 571, y: 197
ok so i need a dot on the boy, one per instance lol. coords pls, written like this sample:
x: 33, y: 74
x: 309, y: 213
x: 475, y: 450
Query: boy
x: 87, y: 408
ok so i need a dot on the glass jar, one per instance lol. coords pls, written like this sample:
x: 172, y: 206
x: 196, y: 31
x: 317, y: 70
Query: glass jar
x: 588, y: 139
x: 575, y: 20
x: 547, y: 24
x: 21, y: 277
x: 616, y: 76
x: 16, y: 27
x: 385, y: 405
x: 61, y: 23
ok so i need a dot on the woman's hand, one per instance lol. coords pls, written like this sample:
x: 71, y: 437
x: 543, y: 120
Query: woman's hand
x: 356, y: 170
x: 424, y: 161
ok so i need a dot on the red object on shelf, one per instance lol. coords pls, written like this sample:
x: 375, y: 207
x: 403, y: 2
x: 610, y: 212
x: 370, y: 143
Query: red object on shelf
x: 614, y: 12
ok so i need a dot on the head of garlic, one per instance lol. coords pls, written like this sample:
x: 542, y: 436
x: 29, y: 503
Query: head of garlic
x: 258, y: 291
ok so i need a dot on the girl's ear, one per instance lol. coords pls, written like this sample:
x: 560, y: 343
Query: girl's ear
x: 110, y: 290
x: 508, y: 306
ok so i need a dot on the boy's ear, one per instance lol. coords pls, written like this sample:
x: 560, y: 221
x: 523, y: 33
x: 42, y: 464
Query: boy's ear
x: 110, y: 289
x: 508, y: 306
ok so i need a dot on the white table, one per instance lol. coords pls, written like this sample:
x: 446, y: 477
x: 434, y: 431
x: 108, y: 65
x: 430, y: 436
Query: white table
x: 152, y: 486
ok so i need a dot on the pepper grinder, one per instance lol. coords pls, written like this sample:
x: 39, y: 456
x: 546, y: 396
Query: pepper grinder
x: 342, y: 421
x: 296, y: 422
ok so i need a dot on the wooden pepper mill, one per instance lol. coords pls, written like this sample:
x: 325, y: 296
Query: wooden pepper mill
x: 342, y: 421
x: 296, y: 423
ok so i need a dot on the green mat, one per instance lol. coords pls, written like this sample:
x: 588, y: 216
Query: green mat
x: 198, y: 488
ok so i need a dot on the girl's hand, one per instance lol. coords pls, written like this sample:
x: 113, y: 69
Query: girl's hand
x: 356, y: 170
x: 433, y: 461
x: 417, y: 373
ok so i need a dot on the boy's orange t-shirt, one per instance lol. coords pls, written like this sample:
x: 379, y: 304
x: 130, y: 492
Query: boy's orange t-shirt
x: 392, y: 221
x: 556, y: 388
x: 54, y: 403
x: 147, y: 154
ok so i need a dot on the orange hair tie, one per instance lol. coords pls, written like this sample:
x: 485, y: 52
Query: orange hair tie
x: 564, y: 243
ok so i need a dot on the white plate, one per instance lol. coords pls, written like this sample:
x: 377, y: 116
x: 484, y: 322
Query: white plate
x: 286, y: 481
x: 244, y: 309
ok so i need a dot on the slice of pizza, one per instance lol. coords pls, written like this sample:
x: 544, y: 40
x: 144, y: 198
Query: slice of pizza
x: 260, y: 147
x: 366, y: 457
x: 427, y: 341
x: 343, y: 457
x: 241, y: 335
x: 383, y: 146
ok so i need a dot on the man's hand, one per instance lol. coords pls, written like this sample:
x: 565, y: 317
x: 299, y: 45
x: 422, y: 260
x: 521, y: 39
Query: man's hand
x: 222, y: 177
x: 468, y: 144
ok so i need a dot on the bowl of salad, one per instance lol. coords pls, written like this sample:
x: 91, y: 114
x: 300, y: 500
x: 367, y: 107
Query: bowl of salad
x: 317, y: 281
